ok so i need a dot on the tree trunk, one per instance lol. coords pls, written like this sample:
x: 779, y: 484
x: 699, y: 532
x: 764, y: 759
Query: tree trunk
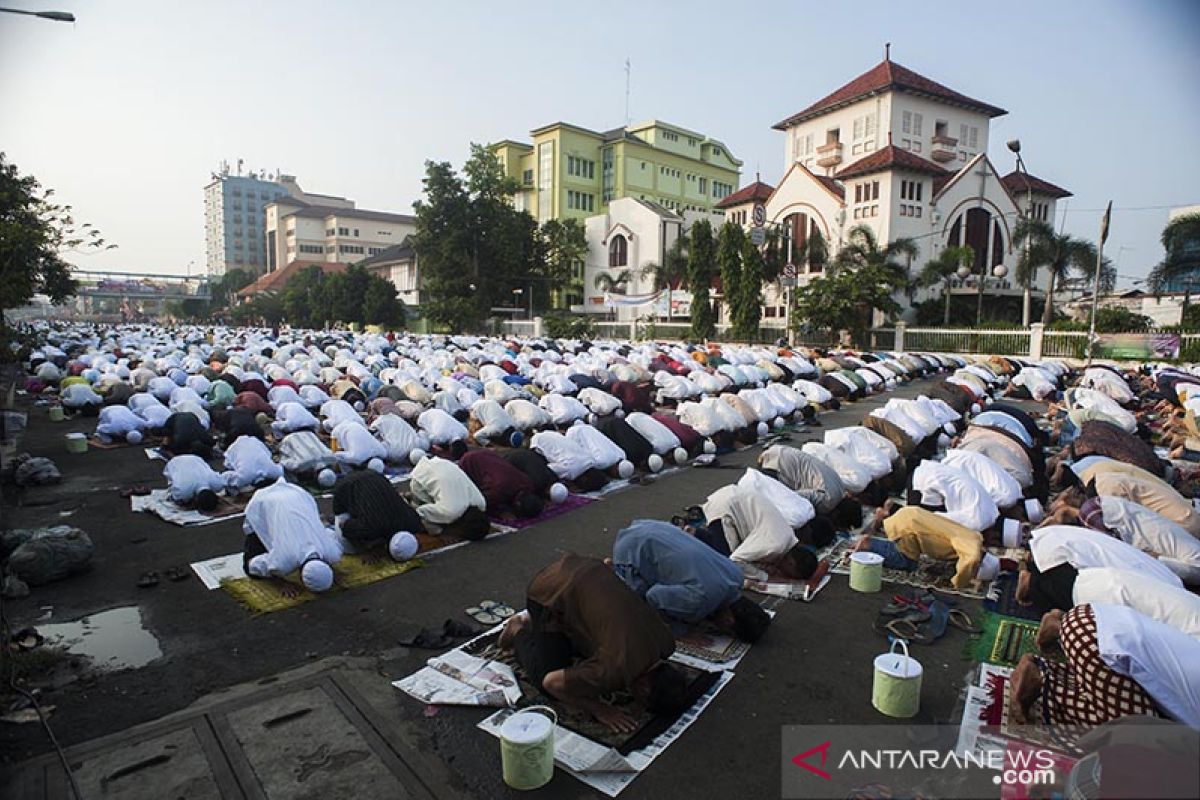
x: 1048, y: 309
x: 946, y: 291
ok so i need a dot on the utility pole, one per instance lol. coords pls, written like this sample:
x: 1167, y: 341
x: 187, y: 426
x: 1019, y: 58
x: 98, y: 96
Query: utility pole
x: 1096, y: 281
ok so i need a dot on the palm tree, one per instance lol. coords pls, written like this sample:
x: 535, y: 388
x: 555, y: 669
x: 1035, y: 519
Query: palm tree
x: 1060, y: 253
x: 614, y: 284
x: 943, y: 268
x: 1181, y: 240
x: 862, y: 250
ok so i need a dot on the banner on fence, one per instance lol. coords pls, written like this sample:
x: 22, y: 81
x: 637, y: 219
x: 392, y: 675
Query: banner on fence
x: 1137, y: 345
x: 676, y: 303
x: 616, y: 300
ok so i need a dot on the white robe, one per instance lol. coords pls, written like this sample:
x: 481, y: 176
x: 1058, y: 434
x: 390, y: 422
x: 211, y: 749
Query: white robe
x: 398, y: 437
x: 660, y: 437
x: 440, y: 427
x: 293, y: 416
x: 443, y: 491
x: 604, y: 451
x: 599, y: 402
x: 493, y: 419
x: 566, y: 458
x: 863, y: 450
x: 116, y: 421
x: 1053, y: 545
x: 188, y: 475
x: 1147, y: 530
x: 1177, y: 607
x: 356, y: 444
x: 755, y: 530
x: 1002, y: 487
x: 527, y: 415
x: 795, y: 509
x: 286, y: 519
x: 855, y: 476
x: 304, y: 452
x: 248, y: 461
x: 563, y: 410
x: 967, y: 502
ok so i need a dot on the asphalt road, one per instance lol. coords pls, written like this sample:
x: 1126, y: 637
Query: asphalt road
x: 813, y: 667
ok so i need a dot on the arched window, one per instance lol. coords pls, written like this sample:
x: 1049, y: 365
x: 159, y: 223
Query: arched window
x: 798, y: 228
x: 981, y: 230
x: 618, y: 251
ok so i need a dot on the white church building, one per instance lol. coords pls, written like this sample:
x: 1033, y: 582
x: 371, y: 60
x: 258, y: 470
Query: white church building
x: 907, y: 157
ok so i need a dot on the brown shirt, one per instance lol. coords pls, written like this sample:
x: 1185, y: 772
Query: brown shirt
x: 619, y: 636
x: 892, y: 432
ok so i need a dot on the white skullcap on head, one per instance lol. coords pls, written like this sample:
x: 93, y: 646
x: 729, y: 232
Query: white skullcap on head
x: 655, y: 462
x: 259, y: 566
x: 134, y: 437
x: 403, y: 546
x: 948, y: 428
x: 762, y: 429
x: 1012, y: 533
x: 1033, y: 509
x: 625, y: 468
x: 326, y: 478
x: 680, y: 455
x: 376, y: 464
x: 976, y: 408
x: 710, y: 446
x: 988, y: 400
x: 619, y: 413
x: 416, y: 455
x: 779, y: 423
x: 989, y: 567
x: 317, y: 576
x: 943, y: 441
x: 558, y: 492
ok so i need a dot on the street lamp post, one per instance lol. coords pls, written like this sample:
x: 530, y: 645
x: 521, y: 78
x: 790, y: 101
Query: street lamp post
x: 56, y: 16
x: 1027, y: 296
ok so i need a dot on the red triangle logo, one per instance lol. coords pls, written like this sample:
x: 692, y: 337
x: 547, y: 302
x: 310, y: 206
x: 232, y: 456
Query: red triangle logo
x: 802, y: 760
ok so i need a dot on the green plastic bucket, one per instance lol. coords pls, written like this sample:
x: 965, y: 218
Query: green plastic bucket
x: 866, y: 572
x: 897, y: 688
x: 527, y: 747
x: 77, y: 443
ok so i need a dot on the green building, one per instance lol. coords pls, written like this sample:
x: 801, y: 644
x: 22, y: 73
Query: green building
x: 572, y: 172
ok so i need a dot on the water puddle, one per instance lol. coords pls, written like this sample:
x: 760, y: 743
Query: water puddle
x: 113, y: 640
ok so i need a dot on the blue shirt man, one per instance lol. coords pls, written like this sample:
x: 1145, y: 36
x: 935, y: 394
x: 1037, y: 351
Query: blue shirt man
x: 677, y: 574
x: 998, y: 419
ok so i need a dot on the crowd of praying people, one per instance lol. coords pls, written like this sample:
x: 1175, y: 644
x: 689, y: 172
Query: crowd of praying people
x: 1098, y: 523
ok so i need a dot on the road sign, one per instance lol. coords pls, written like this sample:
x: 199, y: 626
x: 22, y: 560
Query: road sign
x: 758, y: 236
x: 760, y: 215
x: 788, y: 276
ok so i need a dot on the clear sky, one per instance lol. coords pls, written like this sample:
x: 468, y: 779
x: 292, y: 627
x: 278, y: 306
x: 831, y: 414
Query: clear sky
x: 128, y: 111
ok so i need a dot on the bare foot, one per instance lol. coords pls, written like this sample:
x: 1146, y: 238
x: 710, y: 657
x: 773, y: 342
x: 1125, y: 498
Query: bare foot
x: 514, y: 625
x: 1023, y: 582
x: 1048, y: 631
x: 863, y: 544
x: 1025, y: 685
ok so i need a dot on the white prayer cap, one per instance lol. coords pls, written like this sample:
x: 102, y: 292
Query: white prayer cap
x: 403, y: 546
x: 989, y: 567
x: 655, y: 462
x: 710, y: 446
x: 976, y: 408
x: 988, y: 400
x: 779, y: 423
x: 326, y: 478
x: 317, y: 576
x: 619, y: 413
x: 943, y: 441
x: 763, y: 430
x: 134, y: 437
x: 948, y: 428
x: 259, y: 566
x: 625, y: 468
x: 558, y: 492
x: 1033, y: 508
x: 376, y: 464
x: 416, y: 455
x: 680, y: 455
x: 1012, y: 533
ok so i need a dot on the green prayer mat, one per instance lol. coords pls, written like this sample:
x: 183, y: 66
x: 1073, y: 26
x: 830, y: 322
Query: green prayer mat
x: 1002, y: 640
x: 264, y: 597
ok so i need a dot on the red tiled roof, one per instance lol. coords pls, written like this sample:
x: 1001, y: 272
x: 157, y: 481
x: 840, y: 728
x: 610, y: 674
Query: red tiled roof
x: 275, y: 281
x: 890, y: 157
x: 1017, y: 184
x: 757, y: 192
x: 885, y: 76
x: 832, y: 185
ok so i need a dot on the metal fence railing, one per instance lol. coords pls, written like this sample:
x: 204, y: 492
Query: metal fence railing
x: 1064, y: 344
x: 1008, y: 343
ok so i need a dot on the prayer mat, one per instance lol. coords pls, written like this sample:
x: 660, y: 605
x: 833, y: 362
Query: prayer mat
x: 929, y: 574
x: 99, y: 444
x: 1002, y: 599
x: 158, y: 504
x: 551, y: 511
x: 264, y: 597
x: 649, y: 725
x: 999, y: 713
x: 1002, y: 640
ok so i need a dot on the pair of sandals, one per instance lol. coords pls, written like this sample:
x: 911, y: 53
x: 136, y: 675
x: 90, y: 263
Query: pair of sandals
x: 437, y: 638
x: 490, y: 612
x: 140, y: 490
x: 922, y: 618
x: 149, y: 580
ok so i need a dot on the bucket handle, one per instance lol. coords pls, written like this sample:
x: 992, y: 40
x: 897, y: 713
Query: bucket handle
x: 896, y: 641
x: 550, y: 711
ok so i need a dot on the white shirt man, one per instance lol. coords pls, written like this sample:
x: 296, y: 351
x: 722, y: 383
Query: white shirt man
x: 855, y: 476
x: 285, y: 519
x: 755, y: 530
x: 187, y: 476
x: 566, y: 458
x: 702, y: 417
x: 335, y: 412
x: 303, y: 452
x: 599, y: 402
x: 444, y: 491
x: 398, y: 437
x: 604, y: 451
x: 1002, y: 487
x: 897, y: 416
x: 1151, y: 532
x: 795, y: 509
x: 440, y: 427
x: 117, y: 421
x: 291, y: 417
x: 247, y: 462
x: 493, y: 420
x: 356, y: 444
x: 660, y: 437
x: 861, y: 449
x: 526, y: 415
x: 1177, y: 607
x: 1053, y: 545
x: 966, y: 501
x: 563, y: 410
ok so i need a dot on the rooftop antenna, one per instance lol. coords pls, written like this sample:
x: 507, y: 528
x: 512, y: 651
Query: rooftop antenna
x: 628, y: 69
x: 887, y: 51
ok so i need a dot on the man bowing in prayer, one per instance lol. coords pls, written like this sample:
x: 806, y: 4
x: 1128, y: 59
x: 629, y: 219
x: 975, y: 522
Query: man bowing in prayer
x: 370, y: 514
x: 284, y: 533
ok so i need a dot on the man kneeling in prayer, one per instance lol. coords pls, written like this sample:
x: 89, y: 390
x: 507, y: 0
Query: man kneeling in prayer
x: 685, y: 580
x: 585, y: 634
x: 370, y: 514
x: 192, y: 483
x: 913, y: 531
x: 284, y: 533
x: 747, y: 527
x: 449, y: 502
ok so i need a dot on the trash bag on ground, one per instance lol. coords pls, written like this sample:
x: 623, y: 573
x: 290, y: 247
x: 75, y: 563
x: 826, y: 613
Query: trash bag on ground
x: 35, y: 471
x: 50, y: 554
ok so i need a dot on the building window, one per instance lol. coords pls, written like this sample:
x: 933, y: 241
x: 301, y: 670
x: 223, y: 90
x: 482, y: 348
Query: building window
x: 702, y: 187
x: 343, y: 231
x: 527, y: 177
x: 580, y: 201
x: 916, y: 125
x: 356, y: 232
x: 691, y: 142
x: 331, y: 231
x: 310, y: 248
x: 916, y: 148
x: 670, y: 137
x: 581, y: 167
x: 906, y: 122
x: 618, y: 251
x: 608, y: 175
x: 716, y: 151
x: 545, y: 180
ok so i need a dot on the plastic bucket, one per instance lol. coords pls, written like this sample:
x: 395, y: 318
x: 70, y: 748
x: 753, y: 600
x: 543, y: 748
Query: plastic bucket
x: 866, y: 572
x: 527, y: 747
x: 77, y: 443
x: 56, y: 414
x: 897, y: 685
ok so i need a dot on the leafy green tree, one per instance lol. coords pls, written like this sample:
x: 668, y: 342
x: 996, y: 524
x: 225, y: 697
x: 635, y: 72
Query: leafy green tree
x: 35, y: 232
x: 443, y: 242
x: 1059, y: 253
x: 1181, y: 241
x: 613, y: 283
x: 305, y: 301
x: 748, y: 309
x: 701, y: 268
x: 563, y: 245
x: 730, y: 240
x: 943, y: 268
x: 672, y: 273
x: 225, y: 288
x: 773, y: 255
x: 381, y: 305
x: 862, y: 249
x: 345, y: 293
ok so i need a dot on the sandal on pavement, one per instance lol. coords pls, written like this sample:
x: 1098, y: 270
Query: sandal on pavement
x: 428, y: 639
x: 901, y: 629
x: 962, y: 620
x: 939, y: 617
x: 148, y: 580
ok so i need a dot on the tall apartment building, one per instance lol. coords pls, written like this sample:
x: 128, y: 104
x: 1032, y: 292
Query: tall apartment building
x: 234, y: 217
x: 296, y: 230
x: 572, y: 172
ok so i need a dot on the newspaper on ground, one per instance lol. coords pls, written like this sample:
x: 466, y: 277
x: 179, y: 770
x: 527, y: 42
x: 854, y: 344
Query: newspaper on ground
x: 221, y: 568
x: 789, y: 590
x: 158, y: 504
x: 601, y: 767
x: 458, y: 679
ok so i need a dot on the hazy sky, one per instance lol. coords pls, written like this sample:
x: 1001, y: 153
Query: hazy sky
x: 127, y: 112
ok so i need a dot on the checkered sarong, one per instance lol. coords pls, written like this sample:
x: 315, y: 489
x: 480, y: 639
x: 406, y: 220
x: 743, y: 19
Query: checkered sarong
x: 1085, y: 691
